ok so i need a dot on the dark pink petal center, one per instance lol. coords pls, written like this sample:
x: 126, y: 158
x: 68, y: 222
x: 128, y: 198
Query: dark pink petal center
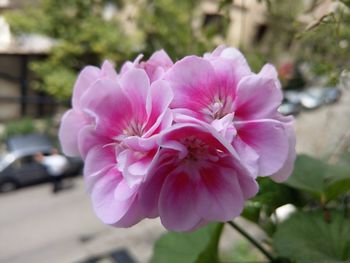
x: 198, y: 151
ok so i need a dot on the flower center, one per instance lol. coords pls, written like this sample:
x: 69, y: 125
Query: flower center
x: 198, y: 150
x: 220, y: 107
x: 134, y: 129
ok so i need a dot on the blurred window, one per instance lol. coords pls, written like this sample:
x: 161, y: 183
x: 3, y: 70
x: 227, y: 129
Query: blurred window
x: 215, y: 23
x: 260, y: 33
x: 23, y: 161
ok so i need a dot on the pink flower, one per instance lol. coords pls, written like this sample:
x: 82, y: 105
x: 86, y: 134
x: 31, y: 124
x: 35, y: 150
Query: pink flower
x: 119, y: 140
x: 155, y: 66
x: 239, y: 104
x: 182, y: 141
x: 195, y: 179
x: 75, y: 119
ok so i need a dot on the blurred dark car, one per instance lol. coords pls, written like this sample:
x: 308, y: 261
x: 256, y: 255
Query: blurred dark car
x: 19, y: 168
x: 312, y: 98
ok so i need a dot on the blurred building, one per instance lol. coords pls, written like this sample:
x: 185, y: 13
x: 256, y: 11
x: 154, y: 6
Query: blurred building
x: 248, y: 18
x: 17, y: 98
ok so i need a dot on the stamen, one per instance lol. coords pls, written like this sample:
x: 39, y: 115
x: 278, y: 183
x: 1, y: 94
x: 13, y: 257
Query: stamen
x: 220, y: 107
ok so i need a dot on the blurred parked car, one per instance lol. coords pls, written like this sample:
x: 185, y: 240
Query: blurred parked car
x: 309, y: 99
x: 291, y: 104
x: 315, y: 97
x: 19, y: 168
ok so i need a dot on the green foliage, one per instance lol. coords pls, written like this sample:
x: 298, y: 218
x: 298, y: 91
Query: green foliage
x: 324, y: 181
x: 242, y: 251
x: 83, y: 37
x: 307, y: 237
x: 271, y: 196
x: 196, y: 247
x: 20, y: 127
x: 326, y: 44
x: 168, y: 24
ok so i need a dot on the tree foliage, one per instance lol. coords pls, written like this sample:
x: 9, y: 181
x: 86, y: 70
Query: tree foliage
x: 83, y: 37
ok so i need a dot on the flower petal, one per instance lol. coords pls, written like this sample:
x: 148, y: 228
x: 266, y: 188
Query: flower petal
x: 135, y: 84
x: 98, y: 160
x: 108, y: 71
x: 269, y: 140
x: 85, y: 79
x: 258, y: 96
x: 72, y: 122
x: 120, y: 213
x: 109, y: 106
x: 177, y: 204
x: 159, y: 98
x: 150, y: 189
x: 157, y: 65
x: 192, y: 77
x: 287, y: 168
x: 218, y: 194
x: 89, y: 138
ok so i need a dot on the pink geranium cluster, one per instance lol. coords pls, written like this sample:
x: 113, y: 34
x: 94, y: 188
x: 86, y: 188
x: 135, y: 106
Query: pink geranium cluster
x: 184, y: 141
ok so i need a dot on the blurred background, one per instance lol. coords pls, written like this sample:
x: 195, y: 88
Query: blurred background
x: 44, y: 44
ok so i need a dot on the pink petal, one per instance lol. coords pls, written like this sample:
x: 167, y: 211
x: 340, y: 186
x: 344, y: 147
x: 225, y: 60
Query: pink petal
x: 200, y: 130
x: 150, y: 189
x: 124, y: 192
x: 159, y: 98
x: 89, y: 138
x: 134, y: 165
x: 218, y: 194
x: 72, y: 122
x: 109, y: 209
x: 207, y: 131
x: 287, y: 168
x: 132, y: 216
x: 258, y: 96
x: 141, y: 144
x: 126, y: 67
x: 248, y: 186
x: 225, y: 127
x: 135, y: 84
x: 228, y: 74
x: 108, y: 71
x: 157, y: 65
x: 234, y: 54
x: 109, y: 106
x: 192, y: 77
x: 161, y: 58
x: 216, y: 52
x: 248, y: 156
x: 85, y: 79
x: 98, y: 160
x: 177, y: 204
x: 230, y: 67
x: 269, y: 140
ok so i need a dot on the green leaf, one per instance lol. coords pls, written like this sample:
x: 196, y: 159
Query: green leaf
x: 306, y: 237
x: 324, y: 181
x: 195, y: 247
x: 308, y: 175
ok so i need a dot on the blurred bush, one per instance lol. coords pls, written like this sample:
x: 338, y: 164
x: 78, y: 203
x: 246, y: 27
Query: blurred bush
x: 84, y: 36
x: 89, y: 31
x: 19, y: 127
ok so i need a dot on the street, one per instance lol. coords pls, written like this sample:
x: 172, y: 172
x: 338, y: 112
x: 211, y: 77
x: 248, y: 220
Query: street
x: 38, y: 226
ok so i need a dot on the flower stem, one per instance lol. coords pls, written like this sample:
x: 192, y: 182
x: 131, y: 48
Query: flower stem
x: 252, y: 240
